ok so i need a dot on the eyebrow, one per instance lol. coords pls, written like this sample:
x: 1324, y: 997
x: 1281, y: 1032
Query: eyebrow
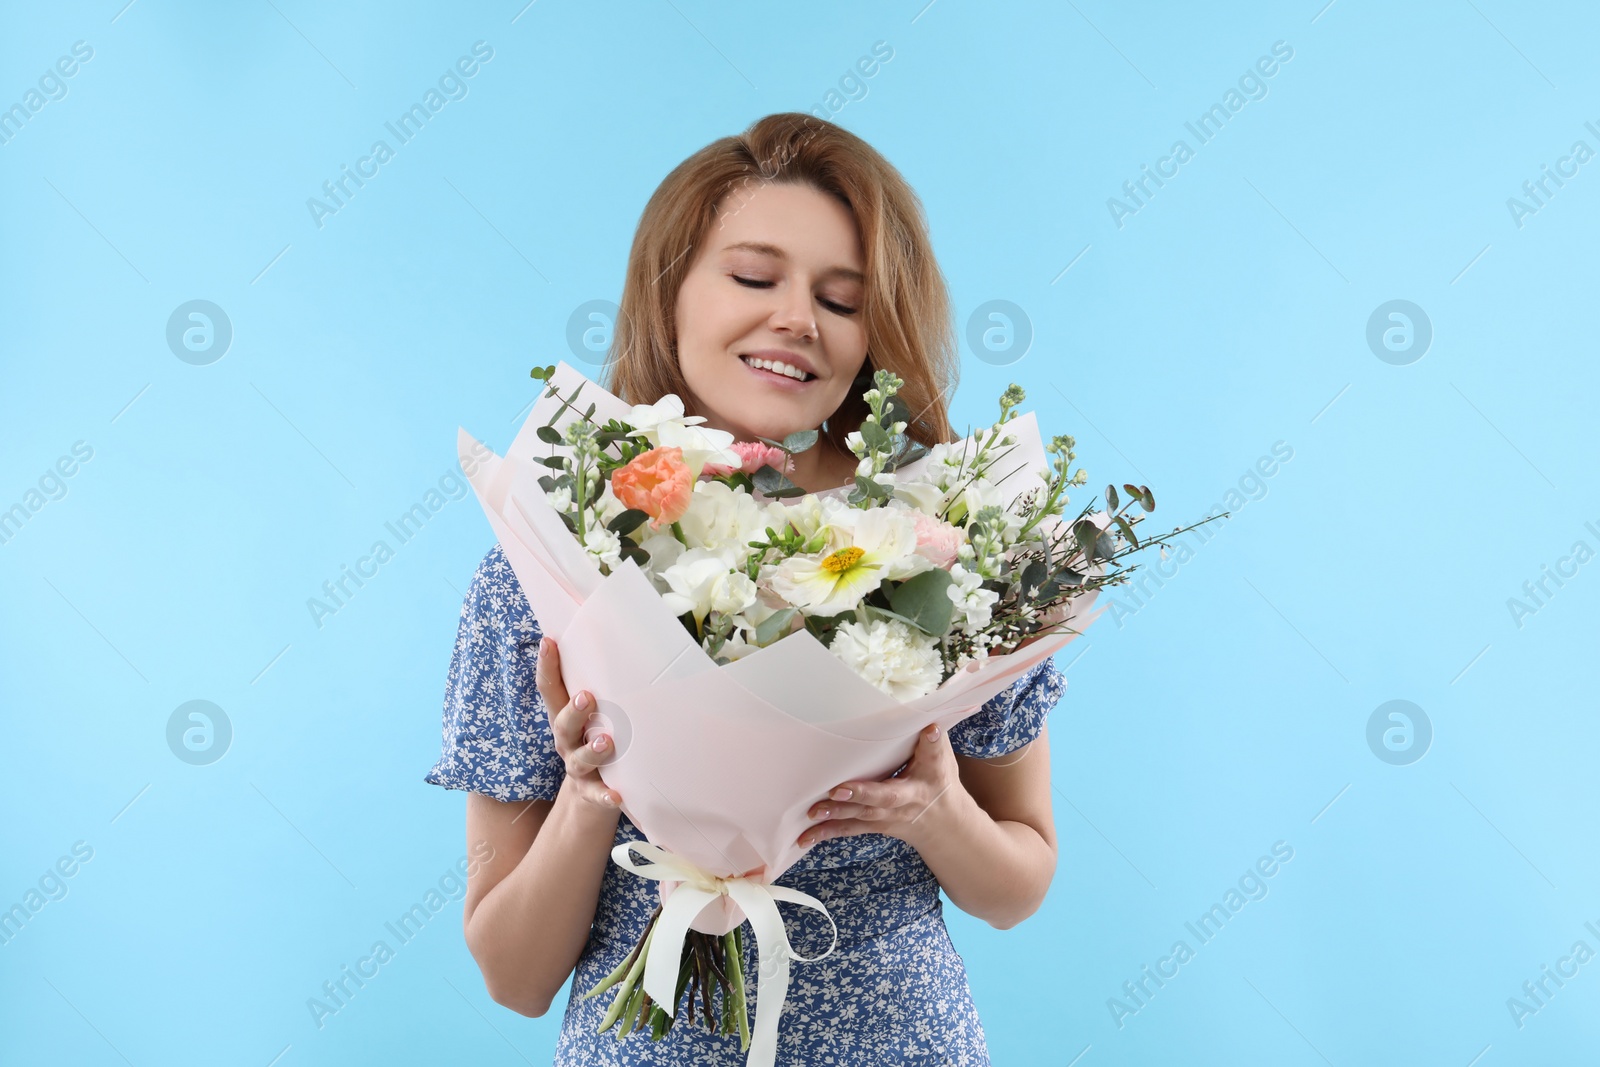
x: 775, y: 252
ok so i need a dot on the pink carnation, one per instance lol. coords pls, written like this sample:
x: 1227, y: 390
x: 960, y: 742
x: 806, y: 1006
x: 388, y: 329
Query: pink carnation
x: 937, y: 541
x: 754, y: 455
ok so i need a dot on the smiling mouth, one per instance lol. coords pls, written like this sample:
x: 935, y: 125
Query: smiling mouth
x: 774, y: 366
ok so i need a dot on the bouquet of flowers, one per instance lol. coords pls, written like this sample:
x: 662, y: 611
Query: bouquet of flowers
x: 698, y: 592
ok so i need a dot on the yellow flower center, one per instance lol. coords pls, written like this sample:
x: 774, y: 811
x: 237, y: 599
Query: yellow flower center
x: 843, y: 560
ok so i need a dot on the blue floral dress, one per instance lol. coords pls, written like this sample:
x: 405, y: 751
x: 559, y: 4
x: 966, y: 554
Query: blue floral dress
x: 893, y: 991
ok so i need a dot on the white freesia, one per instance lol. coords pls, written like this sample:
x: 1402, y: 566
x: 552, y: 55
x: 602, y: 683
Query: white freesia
x: 891, y: 656
x: 561, y: 498
x: 880, y: 546
x: 970, y: 598
x: 701, y: 582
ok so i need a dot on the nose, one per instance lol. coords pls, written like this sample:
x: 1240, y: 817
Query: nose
x: 795, y: 316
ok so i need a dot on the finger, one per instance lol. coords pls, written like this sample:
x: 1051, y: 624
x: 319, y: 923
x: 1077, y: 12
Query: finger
x: 597, y: 753
x: 599, y: 793
x: 547, y: 674
x: 826, y: 831
x: 568, y: 723
x: 833, y: 809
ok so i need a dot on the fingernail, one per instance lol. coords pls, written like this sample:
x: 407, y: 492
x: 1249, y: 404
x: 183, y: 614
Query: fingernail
x: 934, y: 736
x: 842, y: 793
x: 609, y: 802
x: 598, y: 743
x: 823, y: 814
x: 584, y: 701
x: 544, y: 643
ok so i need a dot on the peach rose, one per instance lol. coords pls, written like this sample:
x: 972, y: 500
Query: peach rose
x: 657, y: 483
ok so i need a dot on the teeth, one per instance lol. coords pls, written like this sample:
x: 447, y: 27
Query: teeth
x: 778, y: 367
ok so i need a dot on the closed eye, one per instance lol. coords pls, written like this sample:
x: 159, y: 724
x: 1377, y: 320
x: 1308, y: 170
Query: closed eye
x: 757, y: 283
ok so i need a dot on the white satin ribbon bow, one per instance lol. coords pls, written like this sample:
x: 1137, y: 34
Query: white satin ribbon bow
x: 756, y: 899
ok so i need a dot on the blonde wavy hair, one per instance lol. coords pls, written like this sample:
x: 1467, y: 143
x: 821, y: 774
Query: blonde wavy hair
x: 906, y: 305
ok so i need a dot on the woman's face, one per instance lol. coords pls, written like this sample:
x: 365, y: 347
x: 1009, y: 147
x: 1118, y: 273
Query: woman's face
x: 769, y: 321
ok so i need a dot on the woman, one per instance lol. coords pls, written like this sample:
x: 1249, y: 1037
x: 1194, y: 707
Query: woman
x: 770, y: 274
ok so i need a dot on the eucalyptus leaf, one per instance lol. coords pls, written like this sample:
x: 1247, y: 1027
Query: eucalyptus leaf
x: 1127, y: 530
x: 876, y: 437
x: 772, y: 483
x: 799, y: 441
x: 550, y: 435
x: 774, y: 626
x: 872, y: 489
x: 1033, y: 576
x: 1111, y: 498
x: 923, y: 601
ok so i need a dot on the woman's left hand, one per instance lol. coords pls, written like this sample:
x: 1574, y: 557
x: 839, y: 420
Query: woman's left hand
x: 899, y: 806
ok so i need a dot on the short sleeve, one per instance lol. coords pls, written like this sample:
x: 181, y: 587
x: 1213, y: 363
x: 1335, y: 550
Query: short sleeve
x: 1013, y: 718
x: 496, y: 738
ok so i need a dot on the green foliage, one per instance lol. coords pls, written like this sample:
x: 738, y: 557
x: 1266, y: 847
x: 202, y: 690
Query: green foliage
x: 922, y: 601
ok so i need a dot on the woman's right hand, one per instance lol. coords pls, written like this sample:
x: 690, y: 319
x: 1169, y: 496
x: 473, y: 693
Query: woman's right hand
x: 568, y: 721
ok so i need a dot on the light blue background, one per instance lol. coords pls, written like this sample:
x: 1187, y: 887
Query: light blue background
x: 1229, y: 313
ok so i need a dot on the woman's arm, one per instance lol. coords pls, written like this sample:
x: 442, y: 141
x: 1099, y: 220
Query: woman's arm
x: 994, y: 849
x: 985, y: 828
x: 528, y: 910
